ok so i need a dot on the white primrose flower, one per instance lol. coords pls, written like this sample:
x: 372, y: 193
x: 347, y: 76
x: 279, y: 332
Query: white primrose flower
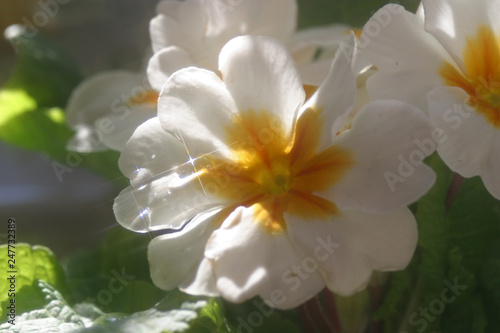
x: 267, y: 197
x: 192, y: 33
x: 106, y: 109
x: 313, y: 50
x: 446, y: 59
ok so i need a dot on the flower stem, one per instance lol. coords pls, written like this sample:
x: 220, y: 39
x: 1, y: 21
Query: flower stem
x: 376, y: 300
x: 412, y: 306
x: 331, y: 306
x: 453, y: 190
x: 316, y: 318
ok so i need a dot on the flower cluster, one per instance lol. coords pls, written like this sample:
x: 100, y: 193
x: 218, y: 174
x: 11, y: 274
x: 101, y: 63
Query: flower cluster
x: 446, y: 60
x: 264, y: 160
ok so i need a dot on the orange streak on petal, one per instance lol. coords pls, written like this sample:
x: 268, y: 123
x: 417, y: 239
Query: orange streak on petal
x: 481, y: 79
x: 324, y: 169
x: 269, y: 214
x: 307, y: 134
x: 309, y: 206
x: 146, y: 97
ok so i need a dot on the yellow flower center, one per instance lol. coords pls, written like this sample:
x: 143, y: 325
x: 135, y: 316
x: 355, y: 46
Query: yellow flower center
x: 276, y: 171
x: 145, y: 97
x: 481, y: 79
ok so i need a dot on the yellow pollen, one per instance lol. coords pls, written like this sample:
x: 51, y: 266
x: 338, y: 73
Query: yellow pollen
x: 277, y: 171
x: 145, y: 97
x: 357, y: 32
x: 481, y: 79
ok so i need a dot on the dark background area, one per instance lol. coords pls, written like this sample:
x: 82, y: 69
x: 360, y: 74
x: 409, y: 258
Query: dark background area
x: 76, y: 213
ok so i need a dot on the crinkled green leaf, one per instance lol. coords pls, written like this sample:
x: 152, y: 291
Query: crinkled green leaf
x: 176, y: 313
x: 31, y: 264
x: 319, y: 12
x: 211, y: 319
x: 55, y: 315
x: 455, y: 254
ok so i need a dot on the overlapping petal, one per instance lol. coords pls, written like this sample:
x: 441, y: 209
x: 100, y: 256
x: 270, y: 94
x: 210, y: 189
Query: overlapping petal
x: 151, y: 152
x: 394, y: 40
x: 100, y: 110
x: 202, y: 27
x: 337, y: 95
x: 179, y: 23
x: 452, y: 22
x: 350, y: 246
x: 88, y: 102
x: 116, y: 130
x: 469, y: 140
x: 262, y: 76
x: 249, y: 261
x: 176, y: 259
x: 166, y: 62
x: 196, y: 105
x: 165, y: 190
x: 384, y: 150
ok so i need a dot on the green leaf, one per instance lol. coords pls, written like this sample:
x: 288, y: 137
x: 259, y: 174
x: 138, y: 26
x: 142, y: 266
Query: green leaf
x: 456, y: 252
x: 30, y: 130
x: 14, y: 102
x: 320, y: 12
x: 31, y: 264
x: 432, y: 227
x: 43, y: 70
x: 429, y: 261
x: 474, y: 223
x: 474, y: 237
x: 115, y: 276
x: 256, y: 316
x: 55, y: 315
x: 489, y: 288
x: 396, y: 298
x: 463, y: 306
x: 176, y: 313
x: 32, y: 103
